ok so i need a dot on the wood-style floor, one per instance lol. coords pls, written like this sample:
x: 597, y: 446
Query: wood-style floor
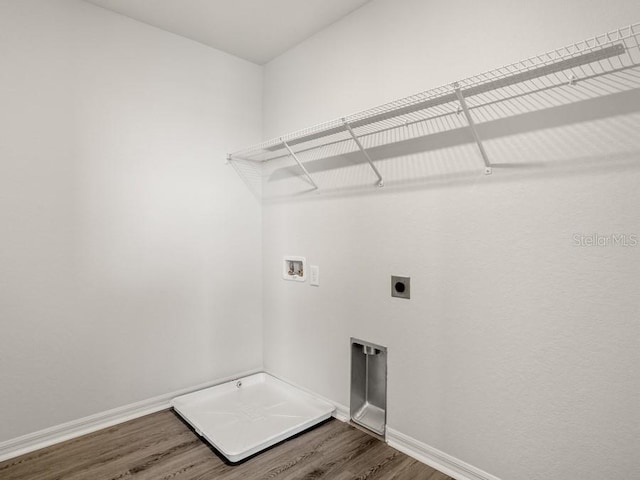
x: 162, y: 447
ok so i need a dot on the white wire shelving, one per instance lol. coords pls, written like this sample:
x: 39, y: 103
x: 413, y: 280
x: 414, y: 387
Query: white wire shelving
x: 600, y: 66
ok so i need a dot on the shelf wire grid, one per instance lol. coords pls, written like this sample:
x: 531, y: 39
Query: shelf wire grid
x: 603, y: 65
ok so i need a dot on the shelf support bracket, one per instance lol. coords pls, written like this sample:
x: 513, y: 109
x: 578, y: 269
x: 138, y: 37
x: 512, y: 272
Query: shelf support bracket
x: 472, y: 127
x: 364, y: 152
x: 295, y: 157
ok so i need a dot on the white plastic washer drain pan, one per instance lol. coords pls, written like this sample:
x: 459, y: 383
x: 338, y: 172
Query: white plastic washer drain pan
x: 244, y: 416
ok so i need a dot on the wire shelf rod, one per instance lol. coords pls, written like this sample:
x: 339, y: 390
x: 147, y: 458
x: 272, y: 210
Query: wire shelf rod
x: 364, y: 152
x: 547, y: 68
x: 294, y: 156
x: 523, y: 95
x: 476, y: 137
x: 369, y: 134
x: 603, y: 65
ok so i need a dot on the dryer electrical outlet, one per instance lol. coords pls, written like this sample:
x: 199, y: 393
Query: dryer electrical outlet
x: 401, y: 287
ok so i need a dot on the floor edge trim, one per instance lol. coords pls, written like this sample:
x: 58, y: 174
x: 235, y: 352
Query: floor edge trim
x: 66, y: 431
x: 435, y: 458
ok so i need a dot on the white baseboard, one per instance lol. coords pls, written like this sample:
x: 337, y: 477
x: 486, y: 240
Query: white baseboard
x: 34, y: 441
x: 76, y: 428
x: 433, y: 457
x: 341, y: 413
x: 422, y: 452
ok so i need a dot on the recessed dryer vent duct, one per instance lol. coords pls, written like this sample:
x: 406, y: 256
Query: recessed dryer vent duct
x: 369, y: 385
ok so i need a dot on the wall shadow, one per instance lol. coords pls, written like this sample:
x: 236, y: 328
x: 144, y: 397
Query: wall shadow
x: 464, y: 161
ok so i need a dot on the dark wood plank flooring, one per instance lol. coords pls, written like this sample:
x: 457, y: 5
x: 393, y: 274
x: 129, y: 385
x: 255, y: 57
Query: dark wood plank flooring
x: 162, y: 447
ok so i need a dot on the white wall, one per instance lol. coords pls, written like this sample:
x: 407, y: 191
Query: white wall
x: 518, y: 350
x: 129, y: 251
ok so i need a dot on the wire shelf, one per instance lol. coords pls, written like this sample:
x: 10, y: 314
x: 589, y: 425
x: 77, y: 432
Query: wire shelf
x: 600, y: 66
